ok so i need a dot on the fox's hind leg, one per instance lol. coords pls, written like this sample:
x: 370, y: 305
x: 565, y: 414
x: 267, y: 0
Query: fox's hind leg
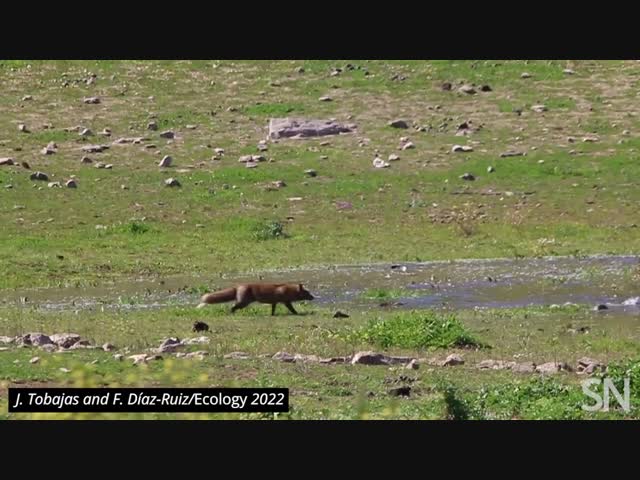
x: 239, y: 305
x: 273, y: 309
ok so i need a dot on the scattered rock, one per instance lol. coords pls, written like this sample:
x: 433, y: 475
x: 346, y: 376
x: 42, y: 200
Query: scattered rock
x: 525, y: 75
x: 512, y: 154
x: 527, y: 367
x: 26, y: 98
x: 451, y: 360
x: 485, y: 88
x: 539, y: 108
x: 34, y: 360
x: 552, y: 367
x: 105, y: 132
x: 408, y: 146
x: 468, y: 89
x: 468, y: 177
x: 23, y: 128
x: 602, y: 306
x: 85, y: 132
x: 325, y: 99
x: 311, y: 173
x: 373, y: 358
x: 589, y: 366
x: 107, y: 347
x: 461, y: 148
x: 54, y: 185
x: 71, y: 183
x: 413, y: 365
x: 590, y: 139
x: 172, y: 182
x: 95, y: 148
x: 339, y: 314
x: 118, y: 357
x: 634, y: 301
x: 196, y: 341
x: 298, y: 128
x: 6, y: 161
x: 393, y: 157
x: 139, y: 358
x: 86, y: 160
x: 237, y: 356
x: 568, y: 71
x: 49, y: 348
x: 398, y: 124
x: 47, y: 151
x: 168, y: 134
x: 495, y: 365
x: 169, y: 345
x: 379, y: 163
x: 65, y: 340
x: 219, y: 151
x: 152, y: 126
x: 166, y: 161
x: 200, y: 354
x: 39, y: 176
x: 490, y: 169
x: 92, y: 100
x: 100, y: 165
x: 446, y: 86
x: 284, y: 357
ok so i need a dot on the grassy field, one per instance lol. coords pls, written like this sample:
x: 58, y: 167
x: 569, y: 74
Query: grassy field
x: 564, y: 196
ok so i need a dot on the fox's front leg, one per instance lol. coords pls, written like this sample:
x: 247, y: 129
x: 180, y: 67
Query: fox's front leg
x: 290, y: 307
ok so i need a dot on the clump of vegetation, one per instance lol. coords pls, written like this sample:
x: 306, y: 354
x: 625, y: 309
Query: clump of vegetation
x: 384, y: 294
x: 416, y: 330
x: 269, y: 231
x: 135, y: 228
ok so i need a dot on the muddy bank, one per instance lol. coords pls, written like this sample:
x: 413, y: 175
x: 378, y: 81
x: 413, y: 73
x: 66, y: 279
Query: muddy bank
x: 494, y: 283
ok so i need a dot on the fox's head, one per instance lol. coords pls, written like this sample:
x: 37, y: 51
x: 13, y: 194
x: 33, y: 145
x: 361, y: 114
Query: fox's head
x: 304, y: 294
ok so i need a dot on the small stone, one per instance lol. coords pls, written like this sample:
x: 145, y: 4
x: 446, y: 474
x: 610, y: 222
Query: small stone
x: 26, y: 98
x: 568, y: 71
x: 412, y: 365
x: 152, y: 126
x: 552, y: 367
x: 461, y: 148
x: 219, y: 151
x: 65, y: 340
x: 118, y: 357
x: 6, y: 161
x: 39, y: 176
x: 590, y: 139
x: 284, y: 357
x: 108, y: 166
x: 92, y: 100
x: 310, y: 173
x: 602, y: 306
x: 525, y: 75
x: 339, y: 314
x: 325, y: 99
x: 23, y: 128
x: 166, y: 161
x: 85, y: 132
x: 393, y: 157
x: 539, y: 108
x: 47, y: 151
x: 589, y: 366
x: 379, y: 163
x: 65, y: 370
x: 167, y: 134
x: 511, y: 154
x: 446, y: 86
x: 490, y: 169
x: 34, y: 360
x: 105, y: 132
x: 468, y: 89
x: 237, y: 356
x: 398, y: 124
x: 467, y: 176
x: 451, y: 360
x: 172, y: 182
x: 100, y: 165
x: 71, y: 183
x: 485, y: 88
x: 107, y: 347
x: 408, y: 146
x: 85, y: 160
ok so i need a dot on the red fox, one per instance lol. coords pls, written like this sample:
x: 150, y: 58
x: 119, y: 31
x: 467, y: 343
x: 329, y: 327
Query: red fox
x: 247, y: 293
